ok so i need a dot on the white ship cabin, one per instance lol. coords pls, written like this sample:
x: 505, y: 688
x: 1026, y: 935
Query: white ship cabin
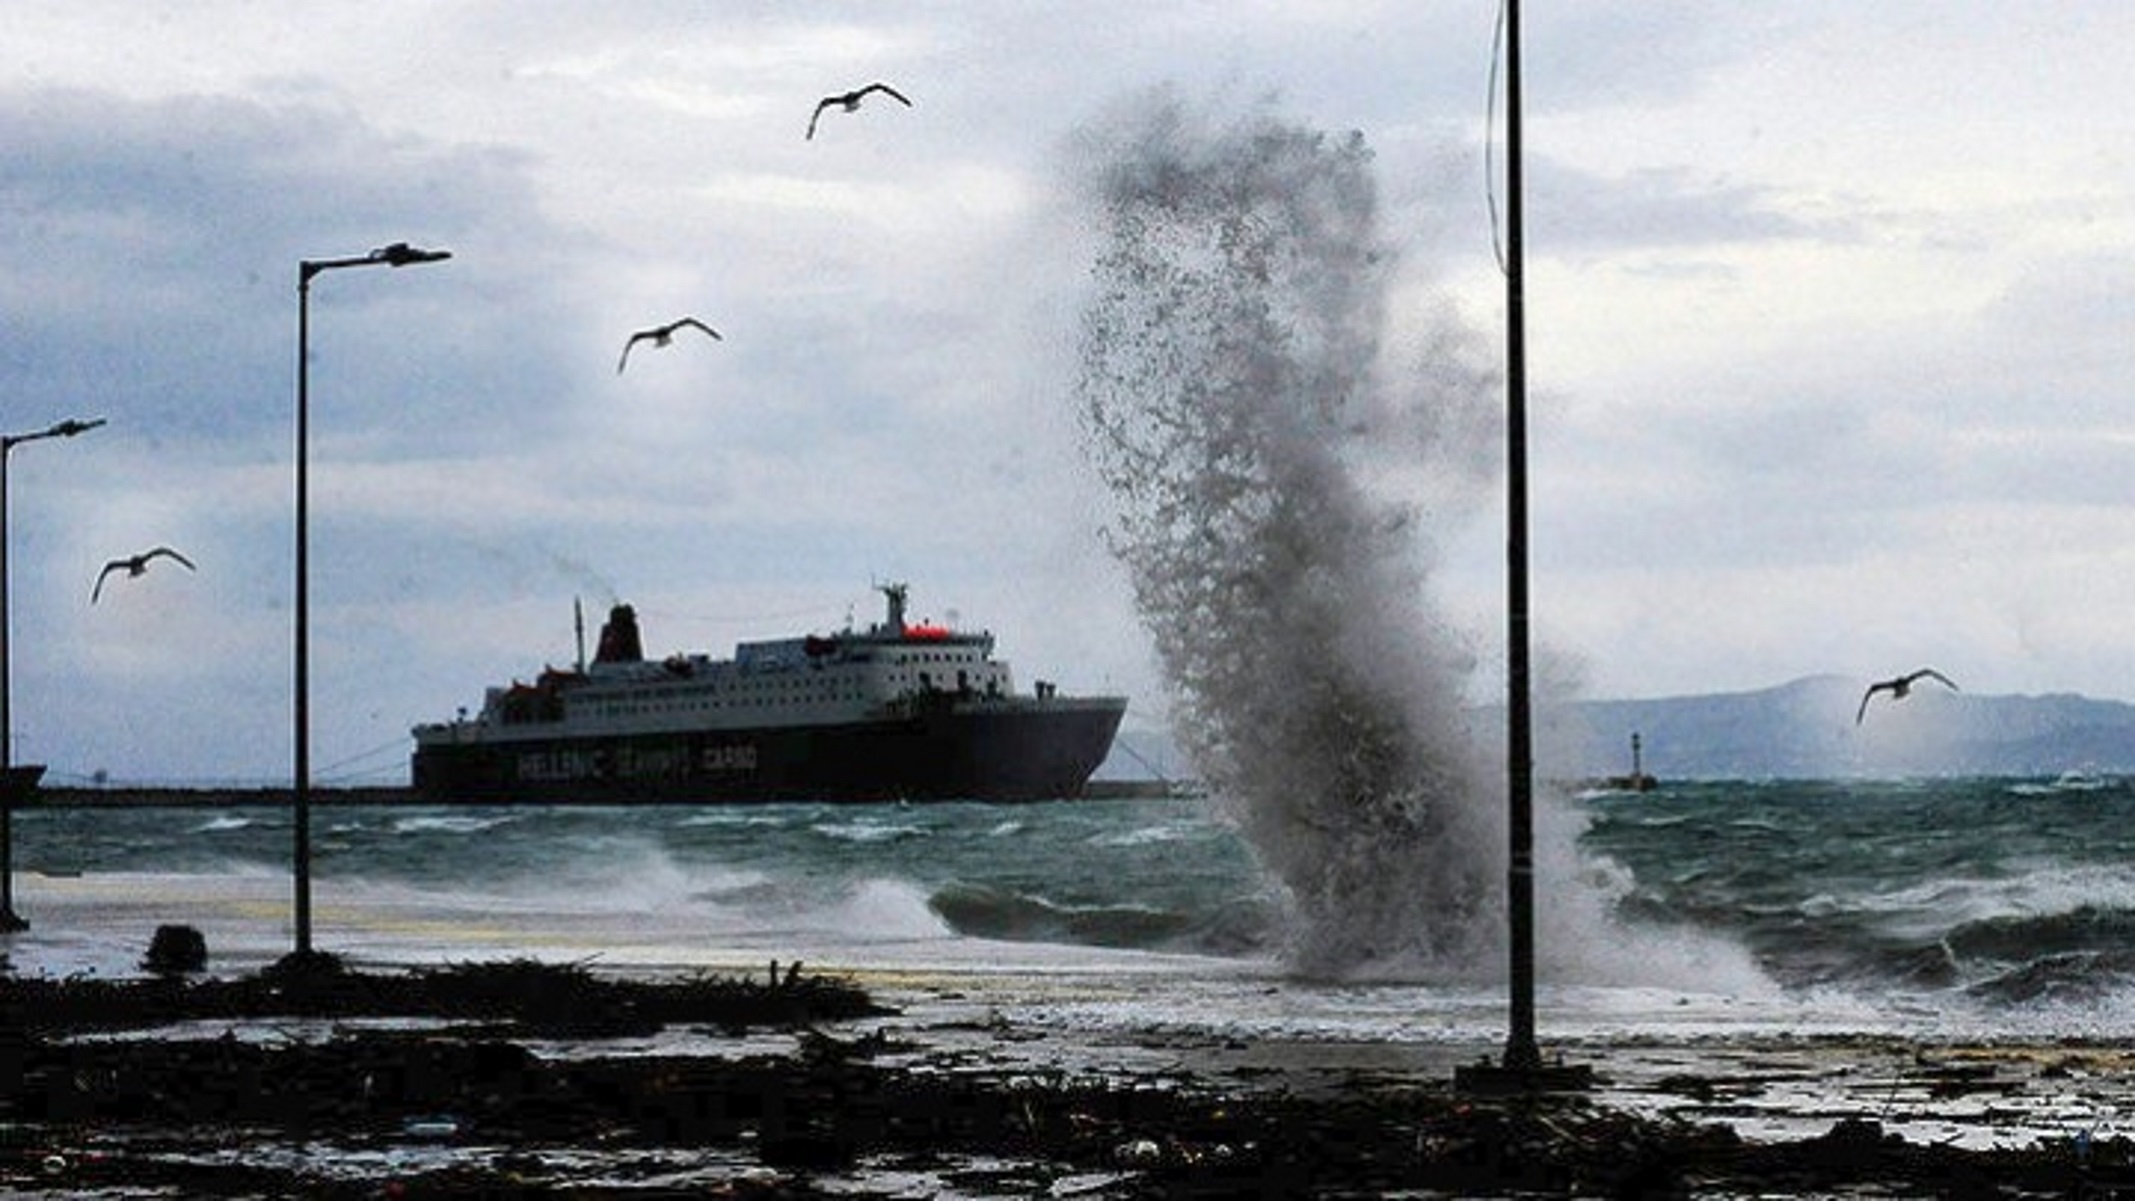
x: 848, y: 676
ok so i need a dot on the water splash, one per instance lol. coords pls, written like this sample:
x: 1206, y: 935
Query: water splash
x: 1238, y: 394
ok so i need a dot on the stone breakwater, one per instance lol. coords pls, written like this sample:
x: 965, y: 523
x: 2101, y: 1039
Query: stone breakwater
x: 197, y: 796
x: 281, y: 795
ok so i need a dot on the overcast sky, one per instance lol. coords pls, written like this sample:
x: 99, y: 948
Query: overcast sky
x: 1827, y: 307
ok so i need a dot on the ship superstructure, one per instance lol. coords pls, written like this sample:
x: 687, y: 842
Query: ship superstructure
x: 898, y: 710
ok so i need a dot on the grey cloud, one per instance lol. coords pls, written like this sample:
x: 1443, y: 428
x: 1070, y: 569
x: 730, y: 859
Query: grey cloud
x: 151, y: 249
x: 1578, y: 213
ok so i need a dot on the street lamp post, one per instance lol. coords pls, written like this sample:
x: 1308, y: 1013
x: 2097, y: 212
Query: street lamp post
x: 399, y: 254
x: 1522, y: 1053
x: 10, y: 921
x: 1522, y: 1068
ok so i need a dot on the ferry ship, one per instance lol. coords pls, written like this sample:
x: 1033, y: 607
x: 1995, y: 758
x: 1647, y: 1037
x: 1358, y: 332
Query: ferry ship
x: 898, y: 711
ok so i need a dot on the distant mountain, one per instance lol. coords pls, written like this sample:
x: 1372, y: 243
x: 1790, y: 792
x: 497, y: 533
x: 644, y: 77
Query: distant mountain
x: 1801, y: 730
x: 1806, y: 728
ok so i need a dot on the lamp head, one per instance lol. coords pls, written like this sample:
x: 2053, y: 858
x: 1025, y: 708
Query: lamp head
x: 71, y: 427
x: 400, y: 254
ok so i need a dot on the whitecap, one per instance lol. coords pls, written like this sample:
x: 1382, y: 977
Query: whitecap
x: 447, y: 824
x: 1143, y: 836
x: 862, y: 831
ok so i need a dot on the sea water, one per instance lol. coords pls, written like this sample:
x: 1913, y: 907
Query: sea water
x: 1976, y: 906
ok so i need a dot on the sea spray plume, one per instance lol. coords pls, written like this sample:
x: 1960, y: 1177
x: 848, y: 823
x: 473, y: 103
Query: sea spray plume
x: 1230, y: 398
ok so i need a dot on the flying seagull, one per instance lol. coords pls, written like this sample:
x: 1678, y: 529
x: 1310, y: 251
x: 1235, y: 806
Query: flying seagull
x: 661, y: 336
x: 850, y: 102
x: 135, y: 566
x: 1901, y: 687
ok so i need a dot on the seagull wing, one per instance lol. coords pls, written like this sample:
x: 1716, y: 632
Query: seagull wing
x: 693, y: 323
x: 114, y: 565
x: 634, y: 339
x: 886, y: 90
x: 168, y: 553
x: 1890, y: 686
x: 817, y: 115
x: 1937, y: 676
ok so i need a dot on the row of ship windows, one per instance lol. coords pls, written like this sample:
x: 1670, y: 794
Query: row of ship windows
x: 895, y: 679
x: 614, y: 709
x: 780, y: 692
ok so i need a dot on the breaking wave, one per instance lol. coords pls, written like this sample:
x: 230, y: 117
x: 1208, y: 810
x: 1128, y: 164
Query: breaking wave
x: 1240, y: 396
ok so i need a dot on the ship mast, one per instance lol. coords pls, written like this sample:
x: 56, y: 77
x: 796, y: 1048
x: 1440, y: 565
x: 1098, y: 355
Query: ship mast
x: 578, y: 625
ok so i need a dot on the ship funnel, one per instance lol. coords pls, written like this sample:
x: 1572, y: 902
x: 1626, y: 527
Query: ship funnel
x: 894, y: 594
x: 619, y: 641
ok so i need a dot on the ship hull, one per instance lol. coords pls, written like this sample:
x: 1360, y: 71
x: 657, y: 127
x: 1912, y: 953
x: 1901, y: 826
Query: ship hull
x: 1015, y: 751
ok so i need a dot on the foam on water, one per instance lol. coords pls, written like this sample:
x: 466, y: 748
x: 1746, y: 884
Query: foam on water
x: 884, y: 911
x: 450, y: 823
x: 1139, y: 909
x: 868, y: 831
x: 1145, y: 836
x: 722, y: 817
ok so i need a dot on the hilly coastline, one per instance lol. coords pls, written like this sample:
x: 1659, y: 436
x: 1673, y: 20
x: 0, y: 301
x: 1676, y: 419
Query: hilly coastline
x: 1806, y: 729
x: 1803, y: 729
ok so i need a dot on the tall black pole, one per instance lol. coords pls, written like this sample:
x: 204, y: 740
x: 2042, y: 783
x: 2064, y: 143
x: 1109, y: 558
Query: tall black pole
x: 10, y: 921
x: 301, y: 783
x: 399, y: 254
x: 1521, y: 1053
x: 13, y: 785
